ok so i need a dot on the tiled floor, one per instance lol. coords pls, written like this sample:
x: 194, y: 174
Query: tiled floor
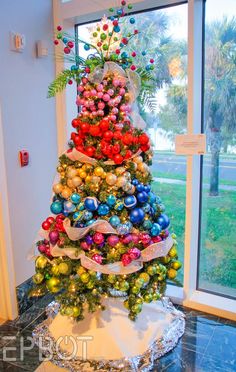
x: 208, y: 345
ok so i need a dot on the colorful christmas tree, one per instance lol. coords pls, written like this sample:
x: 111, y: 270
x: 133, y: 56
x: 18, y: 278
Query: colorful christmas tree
x: 108, y: 233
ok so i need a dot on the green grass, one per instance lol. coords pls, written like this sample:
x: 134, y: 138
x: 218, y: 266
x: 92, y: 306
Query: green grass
x: 218, y: 244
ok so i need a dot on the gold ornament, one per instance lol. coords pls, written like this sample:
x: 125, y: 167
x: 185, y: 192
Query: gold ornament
x: 82, y: 174
x: 71, y: 172
x: 70, y: 183
x: 121, y: 182
x: 98, y: 171
x: 66, y: 193
x: 41, y: 262
x: 111, y: 179
x: 57, y: 188
x: 77, y: 181
x: 138, y: 159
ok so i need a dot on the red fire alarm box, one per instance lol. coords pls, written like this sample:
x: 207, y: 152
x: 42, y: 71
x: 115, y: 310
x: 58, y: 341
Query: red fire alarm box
x: 24, y: 158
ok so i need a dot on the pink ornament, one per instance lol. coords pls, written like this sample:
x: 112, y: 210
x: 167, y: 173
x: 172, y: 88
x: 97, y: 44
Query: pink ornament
x: 48, y: 252
x: 123, y: 108
x: 156, y: 239
x: 101, y: 105
x: 134, y: 253
x: 122, y: 91
x: 85, y: 246
x: 84, y: 108
x: 100, y: 88
x: 84, y: 80
x: 100, y: 94
x: 94, y: 113
x: 127, y: 239
x: 97, y: 258
x: 98, y: 238
x: 42, y: 248
x: 126, y: 259
x: 80, y: 88
x: 93, y: 92
x: 115, y: 110
x: 111, y: 102
x: 112, y: 240
x: 145, y: 238
x: 115, y: 82
x: 86, y: 94
x: 106, y: 97
x: 113, y: 117
x: 100, y: 113
x: 53, y: 236
x: 135, y: 238
x: 110, y: 92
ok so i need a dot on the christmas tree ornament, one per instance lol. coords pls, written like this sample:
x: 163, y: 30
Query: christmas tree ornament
x: 130, y: 201
x: 156, y: 229
x: 111, y: 200
x: 103, y: 209
x: 56, y: 207
x: 163, y: 221
x: 114, y: 221
x: 137, y: 215
x: 142, y: 197
x: 91, y: 203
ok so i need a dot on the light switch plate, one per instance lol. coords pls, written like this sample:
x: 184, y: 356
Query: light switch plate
x: 17, y: 42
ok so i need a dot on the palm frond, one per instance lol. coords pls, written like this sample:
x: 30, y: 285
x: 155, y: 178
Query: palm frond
x: 59, y: 84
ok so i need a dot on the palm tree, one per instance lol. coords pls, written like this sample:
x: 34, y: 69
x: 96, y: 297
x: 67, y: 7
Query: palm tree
x: 220, y: 90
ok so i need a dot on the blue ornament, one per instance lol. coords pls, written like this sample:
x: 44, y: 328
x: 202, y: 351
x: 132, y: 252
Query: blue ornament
x: 152, y: 198
x: 147, y: 224
x: 124, y: 55
x: 90, y: 222
x: 91, y: 203
x: 137, y: 215
x: 164, y: 221
x: 56, y: 207
x: 103, y: 209
x: 65, y: 40
x: 151, y: 212
x: 87, y: 215
x: 75, y: 198
x: 132, y: 21
x: 121, y: 45
x: 147, y: 188
x: 119, y: 12
x: 86, y: 46
x: 79, y: 224
x: 130, y: 201
x: 148, y: 67
x: 140, y: 187
x: 146, y: 207
x: 111, y: 200
x: 69, y: 207
x: 135, y: 182
x: 114, y: 221
x: 78, y: 216
x: 116, y: 28
x: 124, y: 228
x: 156, y: 229
x: 80, y: 206
x: 112, y: 18
x: 142, y: 197
x: 155, y: 207
x: 144, y: 53
x: 119, y: 205
x: 89, y: 239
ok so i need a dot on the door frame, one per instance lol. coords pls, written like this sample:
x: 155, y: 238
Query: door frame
x: 8, y: 300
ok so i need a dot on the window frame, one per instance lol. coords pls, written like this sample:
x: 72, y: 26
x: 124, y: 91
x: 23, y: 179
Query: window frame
x: 190, y: 295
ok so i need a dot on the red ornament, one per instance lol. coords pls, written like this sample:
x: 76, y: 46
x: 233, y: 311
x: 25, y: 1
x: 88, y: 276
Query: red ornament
x: 95, y: 131
x: 67, y: 50
x: 123, y: 2
x: 151, y: 60
x: 75, y: 123
x: 116, y: 149
x: 117, y: 135
x: 136, y: 32
x: 143, y: 139
x: 56, y: 42
x: 126, y: 259
x: 84, y: 127
x: 77, y: 140
x: 118, y: 158
x: 124, y: 40
x: 59, y: 28
x: 105, y: 27
x: 99, y: 44
x: 70, y: 44
x: 104, y: 125
x: 128, y: 154
x: 145, y: 148
x: 90, y: 150
x: 87, y: 70
x: 80, y: 148
x: 50, y: 220
x: 108, y: 135
x: 133, y: 67
x: 115, y: 22
x: 117, y: 51
x: 133, y: 54
x: 127, y: 139
x: 60, y: 217
x: 46, y: 225
x: 70, y: 82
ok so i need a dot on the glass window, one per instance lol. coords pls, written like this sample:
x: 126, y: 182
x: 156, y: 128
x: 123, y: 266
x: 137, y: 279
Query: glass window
x: 165, y: 109
x: 217, y: 265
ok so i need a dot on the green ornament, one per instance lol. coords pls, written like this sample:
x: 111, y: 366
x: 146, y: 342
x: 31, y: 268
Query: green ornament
x: 47, y: 276
x: 145, y: 277
x: 137, y: 308
x: 124, y: 286
x: 53, y: 285
x: 148, y: 298
x: 111, y: 278
x: 110, y: 33
x: 38, y: 278
x: 117, y: 285
x: 85, y: 277
x: 95, y: 34
x: 98, y: 29
x: 90, y: 284
x: 139, y: 282
x: 76, y: 311
x: 151, y: 270
x: 139, y: 300
x: 105, y: 47
x: 103, y: 36
x: 156, y: 296
x: 129, y: 34
x: 111, y: 10
x: 59, y: 36
x: 130, y: 6
x: 115, y: 38
x: 135, y: 289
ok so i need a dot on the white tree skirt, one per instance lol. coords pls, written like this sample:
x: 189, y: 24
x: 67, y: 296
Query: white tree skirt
x: 112, y: 341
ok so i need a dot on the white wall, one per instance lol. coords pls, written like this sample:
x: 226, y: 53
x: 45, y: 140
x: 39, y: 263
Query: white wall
x: 28, y: 122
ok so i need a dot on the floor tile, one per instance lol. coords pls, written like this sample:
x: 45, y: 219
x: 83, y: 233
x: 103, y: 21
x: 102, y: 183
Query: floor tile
x: 222, y: 346
x: 7, y: 329
x: 49, y: 367
x: 8, y: 367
